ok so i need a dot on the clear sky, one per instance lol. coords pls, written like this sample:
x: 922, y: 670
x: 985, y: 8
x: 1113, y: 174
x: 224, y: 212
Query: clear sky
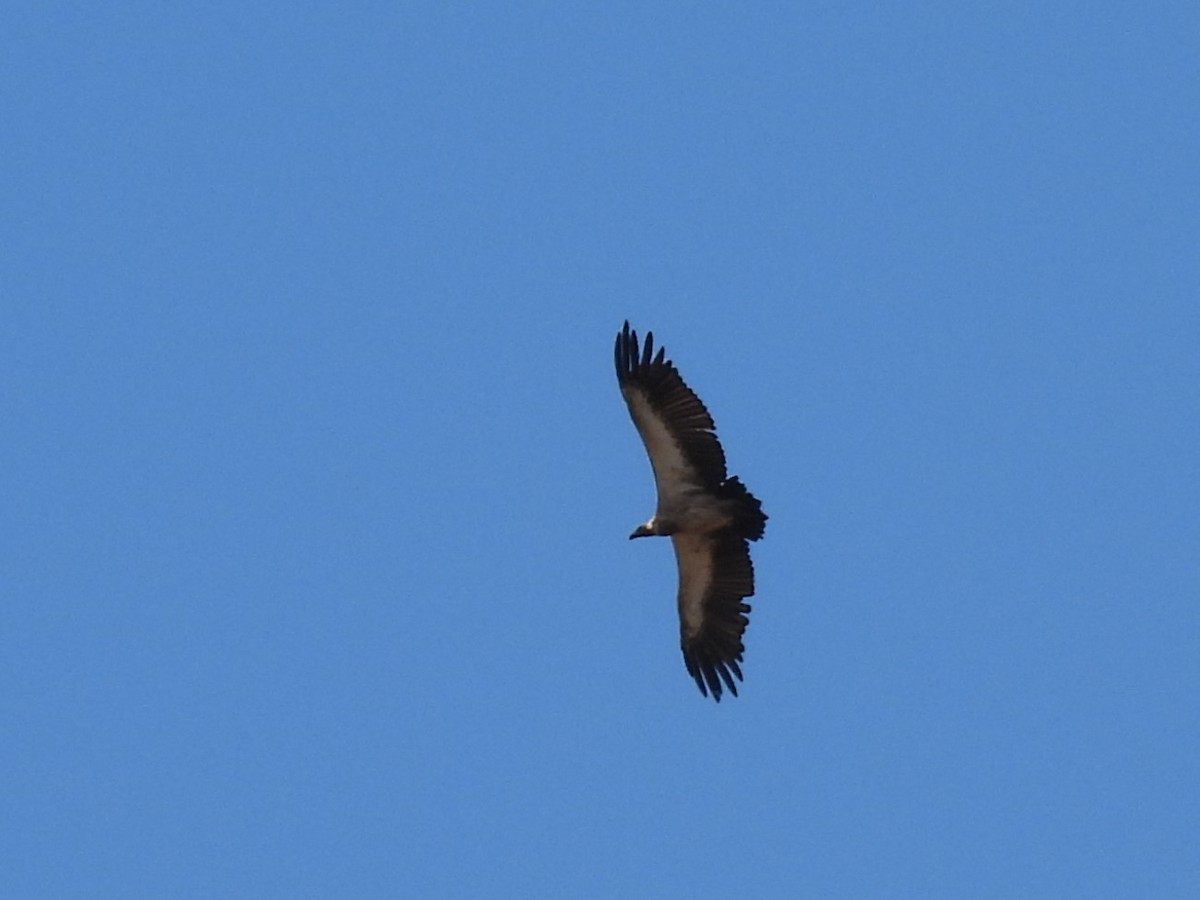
x: 315, y: 480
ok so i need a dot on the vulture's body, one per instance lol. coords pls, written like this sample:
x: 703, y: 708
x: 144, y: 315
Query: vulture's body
x: 708, y: 516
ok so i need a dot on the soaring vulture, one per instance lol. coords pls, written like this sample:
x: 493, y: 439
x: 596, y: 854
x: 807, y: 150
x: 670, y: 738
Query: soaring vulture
x: 708, y: 516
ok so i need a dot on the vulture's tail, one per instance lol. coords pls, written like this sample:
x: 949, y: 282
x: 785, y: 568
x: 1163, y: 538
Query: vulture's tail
x: 748, y: 518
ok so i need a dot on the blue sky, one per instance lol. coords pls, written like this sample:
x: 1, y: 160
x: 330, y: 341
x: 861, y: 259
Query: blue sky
x: 316, y: 481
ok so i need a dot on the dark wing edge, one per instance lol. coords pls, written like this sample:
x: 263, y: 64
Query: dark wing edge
x: 683, y: 413
x: 713, y: 656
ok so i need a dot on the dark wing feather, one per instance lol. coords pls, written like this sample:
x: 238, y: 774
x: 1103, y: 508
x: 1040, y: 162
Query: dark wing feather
x: 658, y: 399
x: 715, y: 577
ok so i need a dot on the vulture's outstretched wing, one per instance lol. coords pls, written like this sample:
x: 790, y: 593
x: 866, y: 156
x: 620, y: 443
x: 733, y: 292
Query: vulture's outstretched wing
x: 715, y: 577
x: 675, y: 427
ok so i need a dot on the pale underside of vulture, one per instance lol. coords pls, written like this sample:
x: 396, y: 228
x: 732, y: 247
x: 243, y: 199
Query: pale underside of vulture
x: 709, y: 517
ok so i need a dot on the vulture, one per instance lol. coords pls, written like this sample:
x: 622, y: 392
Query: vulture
x: 709, y: 516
